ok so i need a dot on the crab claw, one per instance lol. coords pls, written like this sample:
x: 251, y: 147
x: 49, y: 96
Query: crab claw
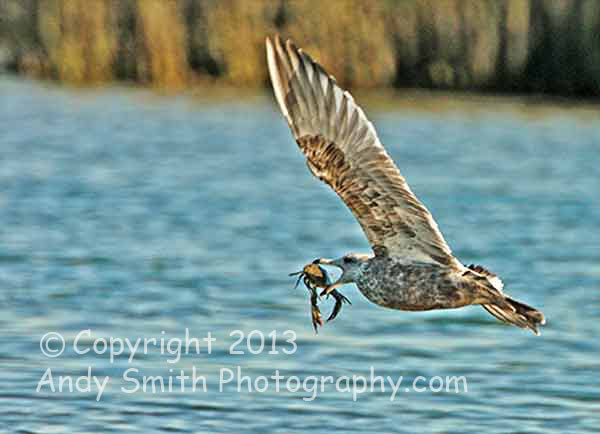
x: 340, y: 299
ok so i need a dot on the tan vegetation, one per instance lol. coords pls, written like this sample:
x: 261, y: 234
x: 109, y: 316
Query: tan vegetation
x: 161, y: 31
x: 515, y: 45
x: 77, y: 40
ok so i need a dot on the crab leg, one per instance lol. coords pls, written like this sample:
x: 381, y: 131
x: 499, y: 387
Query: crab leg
x: 317, y: 320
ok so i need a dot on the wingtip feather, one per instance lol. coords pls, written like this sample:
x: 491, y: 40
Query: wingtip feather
x: 274, y: 73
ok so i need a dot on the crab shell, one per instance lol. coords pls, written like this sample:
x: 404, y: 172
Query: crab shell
x: 317, y: 275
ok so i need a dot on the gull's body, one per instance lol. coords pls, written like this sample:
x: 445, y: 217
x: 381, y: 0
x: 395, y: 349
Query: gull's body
x: 388, y: 282
x: 412, y: 268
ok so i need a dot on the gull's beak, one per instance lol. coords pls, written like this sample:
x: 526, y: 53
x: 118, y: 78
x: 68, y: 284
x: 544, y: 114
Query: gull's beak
x: 330, y: 288
x: 323, y: 261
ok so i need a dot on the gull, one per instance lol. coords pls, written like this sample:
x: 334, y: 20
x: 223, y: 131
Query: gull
x: 412, y: 267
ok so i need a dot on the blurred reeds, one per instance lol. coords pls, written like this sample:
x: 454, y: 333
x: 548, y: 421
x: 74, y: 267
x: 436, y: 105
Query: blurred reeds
x: 549, y: 46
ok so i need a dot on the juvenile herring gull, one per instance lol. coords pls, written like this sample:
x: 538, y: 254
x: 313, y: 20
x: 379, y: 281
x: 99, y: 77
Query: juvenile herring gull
x: 412, y: 268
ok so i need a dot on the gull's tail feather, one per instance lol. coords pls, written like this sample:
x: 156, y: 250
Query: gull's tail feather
x: 517, y: 313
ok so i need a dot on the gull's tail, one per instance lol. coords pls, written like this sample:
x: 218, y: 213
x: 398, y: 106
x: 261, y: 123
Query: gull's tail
x: 501, y: 305
x: 516, y: 313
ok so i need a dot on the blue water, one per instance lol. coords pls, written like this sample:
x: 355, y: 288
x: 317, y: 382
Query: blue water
x: 131, y: 215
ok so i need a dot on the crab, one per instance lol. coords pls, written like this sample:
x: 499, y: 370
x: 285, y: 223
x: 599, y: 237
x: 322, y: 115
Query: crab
x: 315, y: 276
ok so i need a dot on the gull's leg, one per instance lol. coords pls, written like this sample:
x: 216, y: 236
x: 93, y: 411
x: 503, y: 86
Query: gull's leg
x: 339, y: 301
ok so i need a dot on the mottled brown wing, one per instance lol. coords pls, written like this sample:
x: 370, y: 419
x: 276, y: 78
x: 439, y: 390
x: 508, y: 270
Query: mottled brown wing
x: 342, y: 149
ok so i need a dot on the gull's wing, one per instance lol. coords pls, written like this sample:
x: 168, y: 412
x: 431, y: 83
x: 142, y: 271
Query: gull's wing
x: 342, y: 149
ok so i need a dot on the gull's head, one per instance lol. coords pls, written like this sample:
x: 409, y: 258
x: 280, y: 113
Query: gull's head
x: 350, y: 264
